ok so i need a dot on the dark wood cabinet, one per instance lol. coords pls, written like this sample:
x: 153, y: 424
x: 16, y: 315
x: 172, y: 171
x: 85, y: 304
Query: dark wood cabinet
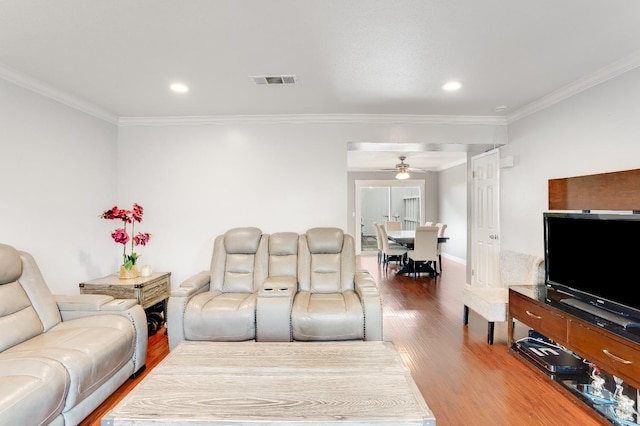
x: 538, y: 316
x: 610, y: 347
x: 608, y: 351
x: 582, y: 335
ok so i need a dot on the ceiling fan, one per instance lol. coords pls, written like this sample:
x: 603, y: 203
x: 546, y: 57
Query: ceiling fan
x: 402, y: 169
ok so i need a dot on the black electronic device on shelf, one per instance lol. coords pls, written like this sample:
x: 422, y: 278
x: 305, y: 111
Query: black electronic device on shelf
x: 550, y: 356
x: 593, y: 259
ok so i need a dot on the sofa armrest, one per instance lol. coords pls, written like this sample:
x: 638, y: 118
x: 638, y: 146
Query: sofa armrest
x: 92, y: 303
x: 177, y: 304
x: 273, y: 309
x: 367, y: 290
x: 84, y: 305
x: 193, y: 285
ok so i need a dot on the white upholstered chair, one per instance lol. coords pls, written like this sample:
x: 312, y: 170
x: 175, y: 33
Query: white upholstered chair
x: 425, y: 249
x: 491, y: 302
x: 376, y: 227
x: 394, y: 226
x: 441, y: 228
x: 390, y: 252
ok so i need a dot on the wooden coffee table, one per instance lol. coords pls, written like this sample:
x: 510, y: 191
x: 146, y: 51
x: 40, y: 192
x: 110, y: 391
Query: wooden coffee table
x: 260, y: 383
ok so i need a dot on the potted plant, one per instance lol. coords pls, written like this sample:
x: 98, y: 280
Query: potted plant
x: 128, y: 269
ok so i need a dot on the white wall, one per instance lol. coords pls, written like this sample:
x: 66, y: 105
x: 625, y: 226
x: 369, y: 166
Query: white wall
x: 453, y: 211
x: 596, y: 131
x: 196, y: 181
x: 57, y: 176
x: 63, y: 167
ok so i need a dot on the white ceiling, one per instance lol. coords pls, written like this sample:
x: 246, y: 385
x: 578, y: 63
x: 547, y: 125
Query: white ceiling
x: 350, y: 56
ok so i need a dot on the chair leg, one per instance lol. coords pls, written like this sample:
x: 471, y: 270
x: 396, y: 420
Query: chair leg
x: 490, y: 332
x: 440, y: 261
x: 465, y: 315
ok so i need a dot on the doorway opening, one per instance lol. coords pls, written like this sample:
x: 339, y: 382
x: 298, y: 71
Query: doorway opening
x: 383, y: 201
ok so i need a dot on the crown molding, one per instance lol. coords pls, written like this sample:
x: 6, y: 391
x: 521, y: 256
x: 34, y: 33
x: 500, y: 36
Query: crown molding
x: 611, y: 71
x: 313, y: 118
x: 48, y: 91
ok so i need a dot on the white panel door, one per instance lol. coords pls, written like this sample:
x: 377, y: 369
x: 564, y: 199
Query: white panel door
x: 485, y: 228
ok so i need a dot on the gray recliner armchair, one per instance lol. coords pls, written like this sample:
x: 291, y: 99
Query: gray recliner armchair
x: 220, y: 304
x: 334, y: 301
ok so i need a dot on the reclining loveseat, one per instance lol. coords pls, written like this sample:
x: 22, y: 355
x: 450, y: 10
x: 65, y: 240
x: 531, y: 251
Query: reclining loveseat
x: 277, y: 287
x: 61, y: 356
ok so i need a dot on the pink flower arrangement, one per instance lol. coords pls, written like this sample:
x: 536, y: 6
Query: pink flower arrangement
x: 120, y: 235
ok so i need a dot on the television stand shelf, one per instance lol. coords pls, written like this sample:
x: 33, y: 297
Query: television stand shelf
x: 610, y: 347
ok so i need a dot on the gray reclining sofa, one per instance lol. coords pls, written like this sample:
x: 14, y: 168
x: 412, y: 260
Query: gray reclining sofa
x: 61, y: 356
x: 277, y: 287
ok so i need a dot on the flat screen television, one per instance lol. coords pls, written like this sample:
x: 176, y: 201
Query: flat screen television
x: 596, y: 259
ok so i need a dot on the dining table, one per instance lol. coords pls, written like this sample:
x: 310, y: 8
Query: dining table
x: 407, y: 237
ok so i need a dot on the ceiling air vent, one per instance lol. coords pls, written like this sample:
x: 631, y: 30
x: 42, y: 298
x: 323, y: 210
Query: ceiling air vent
x: 271, y: 80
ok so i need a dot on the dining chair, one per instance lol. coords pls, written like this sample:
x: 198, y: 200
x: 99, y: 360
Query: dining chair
x: 390, y: 251
x: 376, y: 227
x: 441, y: 229
x: 394, y: 226
x: 425, y: 250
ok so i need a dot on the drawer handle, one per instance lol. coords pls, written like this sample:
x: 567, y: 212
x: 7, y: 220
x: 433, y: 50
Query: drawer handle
x: 533, y: 315
x: 616, y: 358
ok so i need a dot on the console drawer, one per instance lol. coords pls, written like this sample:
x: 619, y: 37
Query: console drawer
x: 539, y: 318
x: 610, y: 354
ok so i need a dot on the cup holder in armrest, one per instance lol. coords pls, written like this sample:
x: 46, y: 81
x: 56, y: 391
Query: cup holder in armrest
x: 279, y: 287
x: 279, y: 291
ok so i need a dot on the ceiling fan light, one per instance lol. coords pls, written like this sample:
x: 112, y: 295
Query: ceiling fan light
x: 403, y: 174
x: 402, y: 169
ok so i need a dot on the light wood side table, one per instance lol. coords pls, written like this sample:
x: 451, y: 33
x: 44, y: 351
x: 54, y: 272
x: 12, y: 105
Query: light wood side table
x: 148, y: 291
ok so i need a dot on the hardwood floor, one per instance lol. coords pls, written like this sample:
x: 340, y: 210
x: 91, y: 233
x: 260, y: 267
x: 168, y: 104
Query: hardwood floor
x: 464, y: 380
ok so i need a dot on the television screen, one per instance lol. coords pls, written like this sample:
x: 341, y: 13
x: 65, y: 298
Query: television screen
x: 596, y: 258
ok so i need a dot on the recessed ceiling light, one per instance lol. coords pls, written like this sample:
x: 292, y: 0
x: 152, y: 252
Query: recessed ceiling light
x: 179, y: 87
x: 500, y: 108
x: 452, y: 86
